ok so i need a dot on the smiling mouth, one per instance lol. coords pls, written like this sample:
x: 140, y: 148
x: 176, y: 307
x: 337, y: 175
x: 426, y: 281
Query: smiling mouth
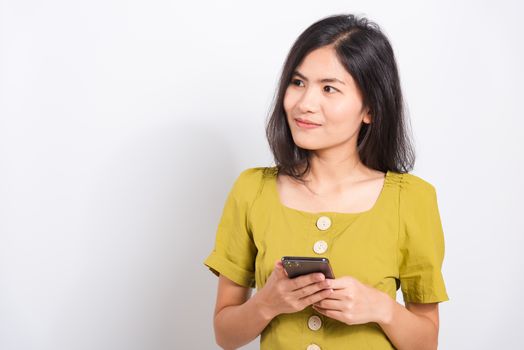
x: 305, y: 121
x: 305, y: 125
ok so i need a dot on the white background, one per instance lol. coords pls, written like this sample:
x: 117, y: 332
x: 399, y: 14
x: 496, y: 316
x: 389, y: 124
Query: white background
x: 124, y: 123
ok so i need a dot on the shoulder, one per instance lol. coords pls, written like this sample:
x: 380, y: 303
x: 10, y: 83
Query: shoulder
x: 413, y: 185
x: 249, y: 182
x: 417, y: 196
x: 253, y: 176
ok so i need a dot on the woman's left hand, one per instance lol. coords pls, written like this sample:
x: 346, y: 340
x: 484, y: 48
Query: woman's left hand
x: 353, y: 302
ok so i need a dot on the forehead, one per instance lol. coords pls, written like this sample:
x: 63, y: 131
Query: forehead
x: 323, y: 63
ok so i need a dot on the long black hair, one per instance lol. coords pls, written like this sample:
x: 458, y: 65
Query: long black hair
x: 367, y: 55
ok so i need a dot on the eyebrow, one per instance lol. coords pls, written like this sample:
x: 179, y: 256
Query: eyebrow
x: 325, y: 80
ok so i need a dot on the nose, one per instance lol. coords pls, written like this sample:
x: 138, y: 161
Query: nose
x: 308, y: 101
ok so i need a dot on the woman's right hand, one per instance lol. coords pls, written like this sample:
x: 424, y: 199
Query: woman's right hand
x: 283, y: 295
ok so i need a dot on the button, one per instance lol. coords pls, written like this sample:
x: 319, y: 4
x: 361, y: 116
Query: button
x: 320, y: 247
x: 313, y: 347
x: 314, y: 323
x: 323, y: 223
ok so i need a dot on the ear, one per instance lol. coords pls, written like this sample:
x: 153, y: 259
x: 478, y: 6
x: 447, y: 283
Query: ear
x: 367, y: 117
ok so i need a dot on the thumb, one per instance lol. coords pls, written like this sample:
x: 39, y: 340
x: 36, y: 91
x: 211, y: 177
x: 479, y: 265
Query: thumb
x: 279, y: 269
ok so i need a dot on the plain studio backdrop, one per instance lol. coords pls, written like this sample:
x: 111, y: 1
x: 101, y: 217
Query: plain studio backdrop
x: 123, y: 125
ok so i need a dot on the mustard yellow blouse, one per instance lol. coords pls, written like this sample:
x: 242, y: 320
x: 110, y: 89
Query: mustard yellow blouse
x: 399, y: 242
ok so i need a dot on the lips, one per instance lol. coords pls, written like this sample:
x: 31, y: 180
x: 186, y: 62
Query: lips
x: 305, y: 121
x: 304, y: 125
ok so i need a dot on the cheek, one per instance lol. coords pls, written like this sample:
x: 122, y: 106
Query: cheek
x: 342, y: 111
x: 289, y: 100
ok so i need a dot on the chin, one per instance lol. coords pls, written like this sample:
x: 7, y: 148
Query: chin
x: 311, y: 146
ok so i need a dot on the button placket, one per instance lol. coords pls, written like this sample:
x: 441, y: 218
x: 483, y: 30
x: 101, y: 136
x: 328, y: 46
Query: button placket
x: 323, y: 223
x: 314, y: 323
x: 320, y: 247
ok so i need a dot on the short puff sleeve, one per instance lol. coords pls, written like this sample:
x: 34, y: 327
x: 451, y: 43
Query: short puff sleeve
x: 234, y: 252
x: 421, y: 242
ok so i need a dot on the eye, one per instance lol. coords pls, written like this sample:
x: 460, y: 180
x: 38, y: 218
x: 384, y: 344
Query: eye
x: 327, y: 87
x: 296, y: 82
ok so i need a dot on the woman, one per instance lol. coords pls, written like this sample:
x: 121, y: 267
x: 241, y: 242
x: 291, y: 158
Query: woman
x: 340, y: 189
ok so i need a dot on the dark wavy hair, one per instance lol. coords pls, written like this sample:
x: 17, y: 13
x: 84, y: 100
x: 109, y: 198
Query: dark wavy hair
x: 367, y: 55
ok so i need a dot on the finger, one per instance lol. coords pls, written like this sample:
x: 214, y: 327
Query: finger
x: 340, y: 283
x: 335, y: 314
x: 338, y: 294
x: 316, y: 297
x: 279, y: 269
x: 305, y: 280
x: 328, y: 303
x: 278, y: 263
x: 309, y: 289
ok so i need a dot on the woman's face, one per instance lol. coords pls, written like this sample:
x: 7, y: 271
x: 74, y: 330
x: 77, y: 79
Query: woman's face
x: 321, y: 91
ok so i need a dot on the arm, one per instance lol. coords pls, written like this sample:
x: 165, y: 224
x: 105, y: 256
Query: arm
x: 238, y: 319
x: 415, y: 326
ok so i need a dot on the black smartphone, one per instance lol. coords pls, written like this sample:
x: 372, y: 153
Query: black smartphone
x: 302, y: 265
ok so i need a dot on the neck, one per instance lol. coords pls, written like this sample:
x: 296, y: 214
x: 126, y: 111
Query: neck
x: 331, y: 172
